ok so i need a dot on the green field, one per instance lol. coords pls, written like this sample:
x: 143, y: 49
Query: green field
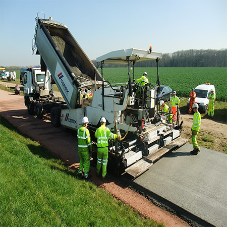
x: 180, y: 79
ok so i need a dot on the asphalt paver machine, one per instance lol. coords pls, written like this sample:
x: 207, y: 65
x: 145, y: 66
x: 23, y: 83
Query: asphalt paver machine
x: 131, y: 110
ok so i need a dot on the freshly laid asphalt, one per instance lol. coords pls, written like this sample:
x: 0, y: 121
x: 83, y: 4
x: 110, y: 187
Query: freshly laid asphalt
x: 196, y: 183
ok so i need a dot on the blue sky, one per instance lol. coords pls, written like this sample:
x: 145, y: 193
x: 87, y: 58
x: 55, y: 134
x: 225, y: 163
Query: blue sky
x: 101, y: 26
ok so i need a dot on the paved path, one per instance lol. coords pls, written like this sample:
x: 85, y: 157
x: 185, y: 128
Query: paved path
x: 198, y: 184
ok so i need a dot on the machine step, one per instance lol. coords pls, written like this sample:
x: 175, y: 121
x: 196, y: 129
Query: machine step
x: 138, y: 168
x: 159, y: 153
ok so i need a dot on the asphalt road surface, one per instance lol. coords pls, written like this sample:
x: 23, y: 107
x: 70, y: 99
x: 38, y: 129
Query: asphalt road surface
x: 196, y: 183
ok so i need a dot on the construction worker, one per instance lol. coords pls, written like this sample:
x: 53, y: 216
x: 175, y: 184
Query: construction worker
x: 192, y: 100
x: 174, y: 101
x: 17, y: 90
x: 165, y: 110
x: 103, y: 134
x: 143, y: 80
x: 84, y: 146
x: 195, y: 128
x: 141, y: 90
x: 211, y: 98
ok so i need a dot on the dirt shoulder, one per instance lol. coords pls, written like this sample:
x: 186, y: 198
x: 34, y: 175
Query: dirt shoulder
x: 64, y: 146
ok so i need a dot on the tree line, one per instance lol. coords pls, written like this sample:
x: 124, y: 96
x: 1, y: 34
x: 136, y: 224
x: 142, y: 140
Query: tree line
x: 187, y: 58
x: 183, y: 58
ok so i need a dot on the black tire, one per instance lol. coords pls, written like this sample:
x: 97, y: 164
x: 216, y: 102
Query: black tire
x: 39, y: 111
x: 55, y: 116
x: 30, y: 107
x: 26, y: 100
x: 206, y: 109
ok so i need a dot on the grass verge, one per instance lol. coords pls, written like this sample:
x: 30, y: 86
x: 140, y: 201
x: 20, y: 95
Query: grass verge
x: 36, y: 189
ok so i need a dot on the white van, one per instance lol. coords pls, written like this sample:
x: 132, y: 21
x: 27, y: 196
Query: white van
x: 202, y: 92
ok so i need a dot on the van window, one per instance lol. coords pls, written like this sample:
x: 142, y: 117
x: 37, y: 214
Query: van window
x: 201, y: 93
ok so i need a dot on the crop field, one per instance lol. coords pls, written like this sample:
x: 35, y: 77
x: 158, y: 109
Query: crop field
x: 180, y: 79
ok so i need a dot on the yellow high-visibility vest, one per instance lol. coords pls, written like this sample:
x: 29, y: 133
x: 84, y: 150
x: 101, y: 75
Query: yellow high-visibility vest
x: 196, y: 121
x: 84, y: 139
x: 103, y: 134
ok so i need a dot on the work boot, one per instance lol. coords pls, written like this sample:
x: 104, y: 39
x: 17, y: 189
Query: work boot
x: 194, y: 151
x: 80, y: 174
x: 87, y: 178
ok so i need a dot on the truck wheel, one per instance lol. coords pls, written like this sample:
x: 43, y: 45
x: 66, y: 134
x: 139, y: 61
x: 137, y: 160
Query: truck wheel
x: 39, y: 111
x: 55, y: 116
x: 30, y: 108
x: 206, y: 109
x: 26, y: 99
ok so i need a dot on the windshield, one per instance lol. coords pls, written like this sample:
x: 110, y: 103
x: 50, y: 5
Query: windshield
x: 40, y: 77
x: 201, y: 93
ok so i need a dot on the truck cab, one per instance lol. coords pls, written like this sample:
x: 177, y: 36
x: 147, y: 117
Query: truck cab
x: 202, y: 92
x: 37, y: 81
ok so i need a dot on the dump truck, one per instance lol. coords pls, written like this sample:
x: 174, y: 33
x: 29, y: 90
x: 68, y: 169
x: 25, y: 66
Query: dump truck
x: 129, y: 109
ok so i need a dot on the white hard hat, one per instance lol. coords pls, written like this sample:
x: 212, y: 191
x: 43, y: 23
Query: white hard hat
x: 103, y: 120
x: 161, y: 102
x: 145, y: 73
x: 195, y: 105
x: 174, y: 92
x: 85, y: 120
x: 212, y: 90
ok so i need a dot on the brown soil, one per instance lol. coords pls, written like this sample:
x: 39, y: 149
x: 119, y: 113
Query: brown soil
x: 64, y: 146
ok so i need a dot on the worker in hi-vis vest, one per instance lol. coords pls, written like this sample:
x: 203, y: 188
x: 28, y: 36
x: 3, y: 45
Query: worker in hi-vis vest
x: 211, y: 98
x: 84, y: 146
x: 195, y: 128
x: 166, y: 112
x: 143, y: 80
x: 174, y: 101
x: 192, y: 100
x: 103, y: 134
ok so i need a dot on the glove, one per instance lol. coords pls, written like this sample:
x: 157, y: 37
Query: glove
x: 119, y: 136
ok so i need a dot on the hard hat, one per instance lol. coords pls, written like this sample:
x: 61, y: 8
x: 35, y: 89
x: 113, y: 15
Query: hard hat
x: 174, y: 92
x: 161, y: 102
x: 195, y: 105
x: 193, y: 89
x: 145, y: 74
x: 103, y: 120
x: 85, y: 120
x: 212, y: 90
